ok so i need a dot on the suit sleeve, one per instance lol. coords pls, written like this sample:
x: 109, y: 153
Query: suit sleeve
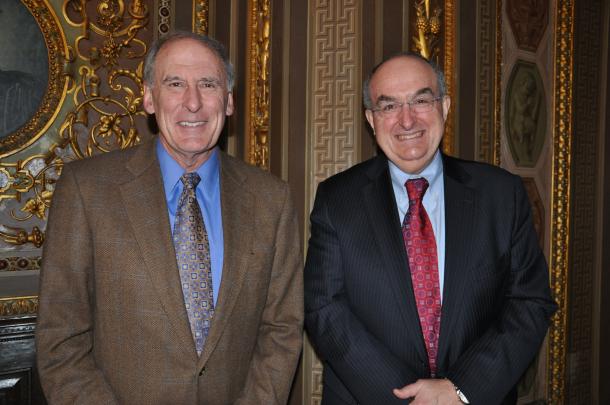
x: 364, y: 365
x: 64, y: 337
x: 493, y: 364
x: 280, y: 335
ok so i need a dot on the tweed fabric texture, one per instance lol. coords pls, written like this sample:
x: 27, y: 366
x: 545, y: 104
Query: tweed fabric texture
x: 112, y: 325
x: 421, y: 250
x: 193, y: 257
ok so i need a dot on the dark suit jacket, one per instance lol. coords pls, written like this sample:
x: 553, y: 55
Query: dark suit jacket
x: 112, y: 323
x: 360, y: 312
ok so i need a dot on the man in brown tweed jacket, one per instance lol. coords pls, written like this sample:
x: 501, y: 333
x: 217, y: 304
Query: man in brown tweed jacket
x: 113, y: 328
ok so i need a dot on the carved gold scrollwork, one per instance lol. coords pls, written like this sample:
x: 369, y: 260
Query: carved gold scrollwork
x: 258, y: 97
x: 200, y: 16
x: 26, y: 184
x: 30, y: 183
x: 498, y: 86
x: 107, y: 97
x: 449, y: 68
x: 18, y: 306
x: 103, y: 67
x: 428, y: 27
x: 560, y: 209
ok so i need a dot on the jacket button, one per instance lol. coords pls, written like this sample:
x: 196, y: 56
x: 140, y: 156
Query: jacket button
x: 201, y: 372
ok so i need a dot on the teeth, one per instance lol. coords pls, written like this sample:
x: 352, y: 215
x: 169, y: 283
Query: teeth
x: 409, y: 136
x: 191, y: 124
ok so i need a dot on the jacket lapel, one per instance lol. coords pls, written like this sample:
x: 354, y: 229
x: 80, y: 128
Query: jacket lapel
x: 237, y: 223
x: 144, y: 200
x: 381, y: 208
x: 459, y: 223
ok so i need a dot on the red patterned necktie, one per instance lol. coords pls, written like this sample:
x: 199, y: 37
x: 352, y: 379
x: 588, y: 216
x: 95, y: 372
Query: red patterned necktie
x: 193, y: 257
x: 420, y: 245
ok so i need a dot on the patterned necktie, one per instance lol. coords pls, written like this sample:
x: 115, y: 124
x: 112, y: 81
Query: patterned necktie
x: 193, y: 257
x: 420, y: 245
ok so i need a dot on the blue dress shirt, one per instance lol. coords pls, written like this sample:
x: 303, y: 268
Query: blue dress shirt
x: 208, y: 197
x: 434, y: 203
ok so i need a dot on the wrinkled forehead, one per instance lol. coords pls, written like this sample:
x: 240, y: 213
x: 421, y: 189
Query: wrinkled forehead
x: 404, y: 76
x: 187, y: 52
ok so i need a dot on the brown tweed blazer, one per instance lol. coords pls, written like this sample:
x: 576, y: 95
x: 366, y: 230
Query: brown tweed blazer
x: 112, y: 326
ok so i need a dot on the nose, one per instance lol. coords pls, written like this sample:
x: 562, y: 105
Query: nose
x: 192, y: 99
x: 405, y: 116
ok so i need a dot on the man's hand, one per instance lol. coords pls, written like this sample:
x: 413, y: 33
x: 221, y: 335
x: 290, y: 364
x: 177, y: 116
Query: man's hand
x: 429, y: 392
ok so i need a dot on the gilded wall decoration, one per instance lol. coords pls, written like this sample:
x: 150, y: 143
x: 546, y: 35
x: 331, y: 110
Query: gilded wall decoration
x: 19, y: 306
x: 560, y: 209
x: 449, y: 67
x: 426, y: 40
x: 27, y: 173
x: 108, y: 83
x: 258, y: 82
x: 201, y: 11
x: 525, y: 114
x: 19, y: 263
x: 98, y: 48
x: 26, y: 181
x: 32, y: 83
x: 497, y: 142
x: 528, y: 20
x: 164, y: 16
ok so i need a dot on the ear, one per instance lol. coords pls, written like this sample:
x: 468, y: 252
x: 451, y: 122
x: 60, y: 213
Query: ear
x: 446, y: 105
x: 369, y: 117
x: 149, y: 105
x: 230, y: 107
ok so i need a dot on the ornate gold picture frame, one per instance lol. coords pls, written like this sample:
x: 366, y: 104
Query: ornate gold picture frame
x: 22, y: 80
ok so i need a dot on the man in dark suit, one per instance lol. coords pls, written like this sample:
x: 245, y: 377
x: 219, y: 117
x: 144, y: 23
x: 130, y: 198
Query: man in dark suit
x: 424, y: 280
x: 172, y: 272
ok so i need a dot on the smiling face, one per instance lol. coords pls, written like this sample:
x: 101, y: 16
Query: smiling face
x: 190, y: 99
x: 408, y: 139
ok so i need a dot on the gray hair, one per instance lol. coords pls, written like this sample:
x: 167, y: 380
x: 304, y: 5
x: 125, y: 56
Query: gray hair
x: 440, y: 77
x: 213, y: 45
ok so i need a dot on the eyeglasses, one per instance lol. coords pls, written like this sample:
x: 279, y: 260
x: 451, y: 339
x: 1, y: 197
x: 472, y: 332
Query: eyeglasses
x: 418, y: 105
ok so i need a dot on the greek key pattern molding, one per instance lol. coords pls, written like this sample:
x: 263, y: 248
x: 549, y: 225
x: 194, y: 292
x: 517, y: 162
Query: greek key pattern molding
x: 486, y: 85
x: 335, y: 82
x: 334, y: 110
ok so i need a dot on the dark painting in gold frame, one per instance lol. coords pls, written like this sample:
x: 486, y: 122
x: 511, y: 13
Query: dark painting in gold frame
x: 31, y: 96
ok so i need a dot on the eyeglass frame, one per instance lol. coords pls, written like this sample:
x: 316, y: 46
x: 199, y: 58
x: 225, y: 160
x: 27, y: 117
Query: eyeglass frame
x: 429, y: 104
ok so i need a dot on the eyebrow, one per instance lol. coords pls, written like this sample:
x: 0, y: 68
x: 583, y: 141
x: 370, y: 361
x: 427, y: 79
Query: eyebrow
x: 210, y: 80
x: 171, y: 79
x: 203, y: 79
x: 425, y: 90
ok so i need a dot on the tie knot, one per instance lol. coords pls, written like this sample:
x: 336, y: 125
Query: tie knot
x: 190, y: 180
x: 416, y: 188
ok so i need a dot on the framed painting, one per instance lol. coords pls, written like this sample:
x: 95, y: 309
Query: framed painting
x: 32, y: 80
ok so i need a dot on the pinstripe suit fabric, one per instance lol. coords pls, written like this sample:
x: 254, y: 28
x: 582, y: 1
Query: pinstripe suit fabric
x: 360, y: 311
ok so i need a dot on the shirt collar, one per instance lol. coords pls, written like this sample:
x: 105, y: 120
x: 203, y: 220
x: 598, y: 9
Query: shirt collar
x: 432, y: 173
x: 171, y: 171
